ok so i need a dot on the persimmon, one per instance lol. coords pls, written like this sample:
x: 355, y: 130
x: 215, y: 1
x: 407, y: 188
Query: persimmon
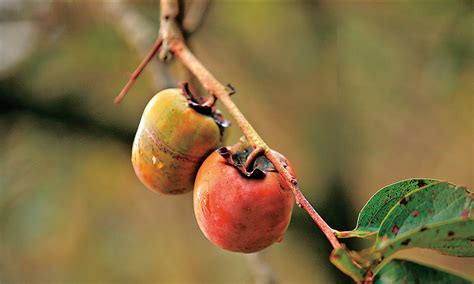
x: 239, y: 209
x: 174, y: 137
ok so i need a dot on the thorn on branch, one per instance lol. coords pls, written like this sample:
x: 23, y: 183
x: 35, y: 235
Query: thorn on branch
x: 232, y: 89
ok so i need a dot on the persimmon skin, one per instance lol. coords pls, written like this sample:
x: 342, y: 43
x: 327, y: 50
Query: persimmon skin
x: 171, y: 142
x: 237, y: 213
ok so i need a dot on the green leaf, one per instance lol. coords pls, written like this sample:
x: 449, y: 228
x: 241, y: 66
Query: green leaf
x: 437, y: 216
x: 342, y: 259
x: 404, y: 271
x: 373, y: 213
x: 457, y: 247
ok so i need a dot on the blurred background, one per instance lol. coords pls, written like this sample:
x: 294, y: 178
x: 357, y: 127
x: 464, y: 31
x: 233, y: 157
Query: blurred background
x: 357, y: 94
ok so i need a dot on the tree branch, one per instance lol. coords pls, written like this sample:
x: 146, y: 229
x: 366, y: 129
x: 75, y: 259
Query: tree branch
x: 173, y: 43
x: 172, y: 39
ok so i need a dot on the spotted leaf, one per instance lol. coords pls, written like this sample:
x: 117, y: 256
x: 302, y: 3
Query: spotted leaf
x: 375, y: 210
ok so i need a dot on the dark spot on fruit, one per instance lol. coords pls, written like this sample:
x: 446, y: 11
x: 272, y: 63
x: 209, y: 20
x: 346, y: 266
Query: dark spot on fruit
x: 240, y: 226
x: 281, y: 186
x: 403, y: 201
x: 395, y: 229
x: 421, y: 183
x: 416, y: 213
x: 450, y: 233
x: 406, y: 242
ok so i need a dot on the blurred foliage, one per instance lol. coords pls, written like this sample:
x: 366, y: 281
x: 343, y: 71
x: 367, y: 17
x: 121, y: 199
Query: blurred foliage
x: 356, y: 94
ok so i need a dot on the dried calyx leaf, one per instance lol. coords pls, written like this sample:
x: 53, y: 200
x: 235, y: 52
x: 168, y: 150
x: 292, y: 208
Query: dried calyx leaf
x: 237, y: 156
x: 207, y: 108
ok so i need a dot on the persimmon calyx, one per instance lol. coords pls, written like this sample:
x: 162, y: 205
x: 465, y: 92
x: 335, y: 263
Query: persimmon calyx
x: 238, y: 156
x: 208, y: 107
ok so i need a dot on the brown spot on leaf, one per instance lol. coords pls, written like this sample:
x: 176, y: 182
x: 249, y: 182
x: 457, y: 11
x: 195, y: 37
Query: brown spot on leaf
x: 406, y: 242
x: 423, y: 228
x: 465, y: 214
x: 450, y: 233
x: 430, y: 211
x: 416, y: 213
x: 403, y: 201
x: 369, y: 276
x: 395, y: 229
x: 421, y: 183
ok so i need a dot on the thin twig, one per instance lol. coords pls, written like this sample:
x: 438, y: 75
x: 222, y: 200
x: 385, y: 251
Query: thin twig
x: 139, y: 33
x: 139, y: 70
x: 173, y: 40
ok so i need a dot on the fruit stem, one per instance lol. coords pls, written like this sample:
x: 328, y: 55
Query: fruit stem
x: 257, y: 152
x: 174, y: 41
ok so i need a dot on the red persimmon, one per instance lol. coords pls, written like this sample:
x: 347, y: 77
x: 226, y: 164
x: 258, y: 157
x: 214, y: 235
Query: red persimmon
x: 241, y: 211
